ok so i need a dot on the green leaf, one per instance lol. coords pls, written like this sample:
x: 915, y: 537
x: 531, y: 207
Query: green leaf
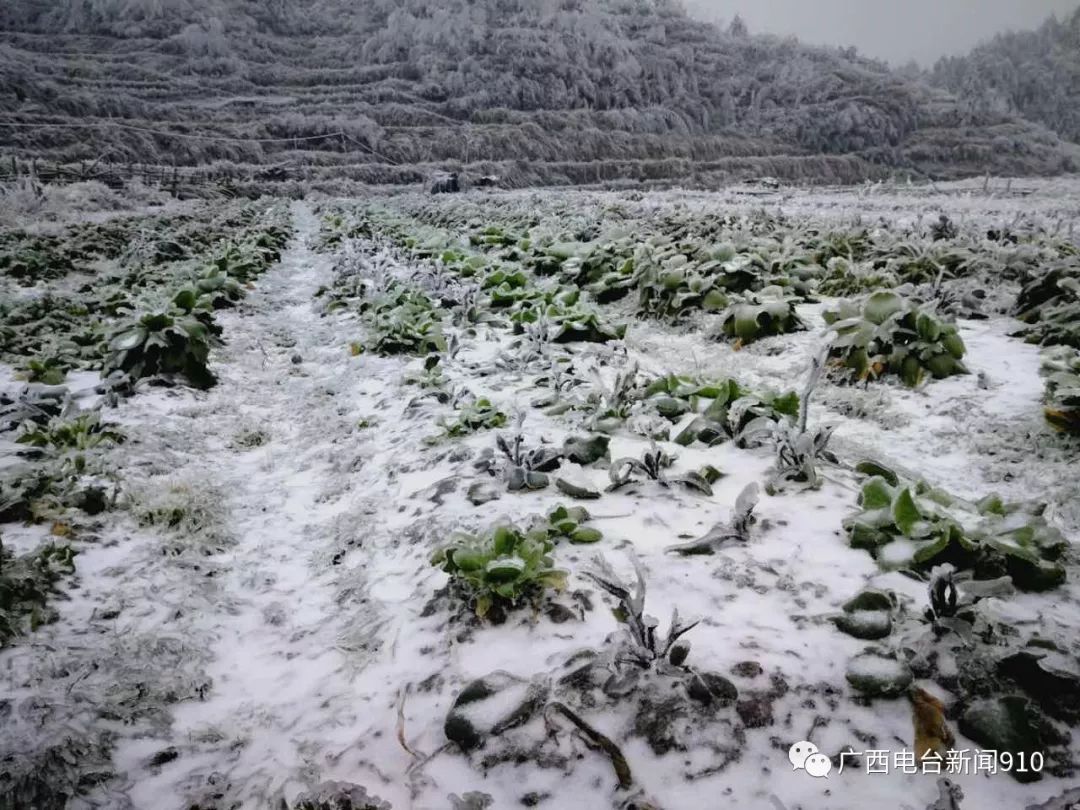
x: 503, y: 540
x: 585, y: 534
x: 954, y: 345
x: 873, y: 468
x: 881, y: 305
x: 468, y: 559
x: 911, y: 371
x: 126, y: 341
x: 714, y: 301
x: 555, y: 579
x: 788, y: 404
x: 904, y: 511
x: 928, y: 327
x: 926, y: 552
x: 185, y: 299
x: 483, y: 605
x: 876, y: 494
x: 504, y: 569
x: 991, y: 505
x: 866, y: 535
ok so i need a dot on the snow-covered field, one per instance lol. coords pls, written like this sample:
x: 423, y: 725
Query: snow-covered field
x: 289, y: 629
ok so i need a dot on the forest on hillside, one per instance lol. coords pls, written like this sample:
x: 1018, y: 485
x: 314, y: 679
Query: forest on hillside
x: 1033, y: 73
x: 598, y: 89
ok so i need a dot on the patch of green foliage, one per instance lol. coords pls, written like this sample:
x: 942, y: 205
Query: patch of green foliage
x: 82, y: 433
x: 914, y: 524
x: 1050, y: 306
x: 47, y: 370
x: 402, y: 320
x: 886, y: 334
x: 670, y: 285
x: 568, y: 319
x: 766, y: 314
x: 503, y: 566
x: 1061, y: 368
x: 473, y: 416
x: 726, y: 411
x: 568, y: 523
x: 843, y: 278
x: 166, y: 341
x: 28, y: 583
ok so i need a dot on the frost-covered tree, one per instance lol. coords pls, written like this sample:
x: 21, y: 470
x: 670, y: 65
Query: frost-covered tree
x: 562, y: 81
x: 1035, y: 73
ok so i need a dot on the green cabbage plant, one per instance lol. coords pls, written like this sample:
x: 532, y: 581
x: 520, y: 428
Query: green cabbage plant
x: 886, y: 334
x: 503, y: 566
x: 765, y: 314
x: 1061, y: 367
x: 166, y: 342
x: 913, y: 524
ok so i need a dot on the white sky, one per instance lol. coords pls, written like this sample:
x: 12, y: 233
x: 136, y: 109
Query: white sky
x: 894, y: 30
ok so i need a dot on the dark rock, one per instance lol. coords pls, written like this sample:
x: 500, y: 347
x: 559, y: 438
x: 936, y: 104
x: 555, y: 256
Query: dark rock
x: 657, y: 723
x: 92, y: 500
x: 709, y: 687
x: 1048, y: 676
x: 869, y: 625
x: 975, y: 674
x: 869, y: 599
x: 533, y: 799
x: 1011, y: 723
x: 560, y: 614
x: 747, y: 669
x: 441, y: 489
x: 162, y: 757
x: 297, y: 359
x: 483, y: 492
x: 878, y: 674
x: 586, y: 451
x: 755, y: 710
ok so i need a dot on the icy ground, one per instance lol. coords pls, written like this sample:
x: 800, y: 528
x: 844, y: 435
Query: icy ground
x: 287, y: 636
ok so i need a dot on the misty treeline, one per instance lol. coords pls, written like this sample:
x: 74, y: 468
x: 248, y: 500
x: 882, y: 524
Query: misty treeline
x: 405, y: 83
x: 1034, y: 73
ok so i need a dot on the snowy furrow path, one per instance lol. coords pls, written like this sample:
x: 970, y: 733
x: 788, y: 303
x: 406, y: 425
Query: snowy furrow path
x: 269, y: 436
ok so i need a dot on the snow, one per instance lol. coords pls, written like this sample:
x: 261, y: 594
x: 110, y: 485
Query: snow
x: 305, y: 632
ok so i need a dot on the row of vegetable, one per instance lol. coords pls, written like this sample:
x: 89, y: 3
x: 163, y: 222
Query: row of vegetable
x: 148, y: 314
x: 472, y: 278
x: 878, y: 335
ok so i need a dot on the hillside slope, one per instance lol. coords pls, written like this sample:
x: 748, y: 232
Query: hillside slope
x: 1033, y: 73
x: 380, y: 90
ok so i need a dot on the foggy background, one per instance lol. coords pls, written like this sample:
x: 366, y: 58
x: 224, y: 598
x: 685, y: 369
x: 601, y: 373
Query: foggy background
x: 894, y: 30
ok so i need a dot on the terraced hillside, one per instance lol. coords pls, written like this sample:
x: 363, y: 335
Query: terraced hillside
x: 535, y: 91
